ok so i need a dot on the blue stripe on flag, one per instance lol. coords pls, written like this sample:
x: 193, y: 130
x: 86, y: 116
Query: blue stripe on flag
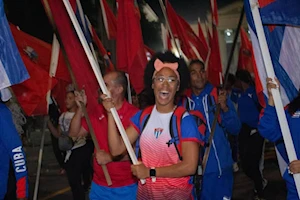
x: 83, y: 24
x: 281, y: 12
x: 274, y: 40
x: 12, y: 64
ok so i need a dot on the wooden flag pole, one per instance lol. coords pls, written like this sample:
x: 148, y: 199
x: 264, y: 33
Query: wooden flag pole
x: 52, y: 72
x: 218, y: 109
x: 92, y: 132
x: 163, y: 8
x: 38, y: 173
x: 101, y: 81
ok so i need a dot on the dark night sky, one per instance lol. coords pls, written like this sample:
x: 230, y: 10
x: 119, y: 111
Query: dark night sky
x: 30, y: 16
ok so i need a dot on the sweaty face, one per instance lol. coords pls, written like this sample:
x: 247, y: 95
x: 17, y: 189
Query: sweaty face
x: 70, y: 100
x: 198, y: 76
x: 165, y: 85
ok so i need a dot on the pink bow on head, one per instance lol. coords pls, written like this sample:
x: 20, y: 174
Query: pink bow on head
x: 158, y: 65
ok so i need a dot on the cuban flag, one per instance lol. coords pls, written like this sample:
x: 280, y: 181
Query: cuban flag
x: 280, y: 19
x: 158, y: 132
x: 282, y: 34
x: 12, y: 68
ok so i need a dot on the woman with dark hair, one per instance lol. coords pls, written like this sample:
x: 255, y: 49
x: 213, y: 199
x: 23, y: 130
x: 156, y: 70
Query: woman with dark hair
x: 269, y: 128
x: 167, y: 166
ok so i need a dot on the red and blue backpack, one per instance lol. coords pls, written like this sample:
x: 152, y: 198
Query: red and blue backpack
x: 175, y: 127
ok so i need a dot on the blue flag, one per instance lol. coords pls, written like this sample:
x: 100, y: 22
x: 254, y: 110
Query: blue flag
x: 12, y: 68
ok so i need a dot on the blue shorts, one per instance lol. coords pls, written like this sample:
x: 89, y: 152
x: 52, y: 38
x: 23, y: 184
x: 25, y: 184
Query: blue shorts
x: 217, y: 188
x: 107, y: 193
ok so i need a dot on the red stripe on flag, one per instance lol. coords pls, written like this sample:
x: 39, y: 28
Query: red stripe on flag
x: 263, y: 3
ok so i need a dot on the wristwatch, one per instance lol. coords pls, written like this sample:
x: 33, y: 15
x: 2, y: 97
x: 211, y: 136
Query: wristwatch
x: 153, y: 174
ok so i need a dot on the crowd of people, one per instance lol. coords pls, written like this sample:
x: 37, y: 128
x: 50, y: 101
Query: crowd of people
x: 170, y: 128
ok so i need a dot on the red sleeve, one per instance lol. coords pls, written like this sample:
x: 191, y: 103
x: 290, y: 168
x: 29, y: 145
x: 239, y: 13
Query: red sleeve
x: 22, y: 188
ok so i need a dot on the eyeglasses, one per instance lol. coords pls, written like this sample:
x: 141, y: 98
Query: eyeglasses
x: 162, y: 79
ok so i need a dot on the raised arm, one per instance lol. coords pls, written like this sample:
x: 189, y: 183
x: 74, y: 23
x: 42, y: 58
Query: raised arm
x: 268, y: 125
x: 116, y: 144
x: 76, y: 129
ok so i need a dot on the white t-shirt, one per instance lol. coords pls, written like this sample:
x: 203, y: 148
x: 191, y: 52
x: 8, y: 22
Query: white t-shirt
x: 64, y: 123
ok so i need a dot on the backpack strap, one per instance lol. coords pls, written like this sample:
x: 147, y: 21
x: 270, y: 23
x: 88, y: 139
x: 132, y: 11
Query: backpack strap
x: 144, y: 117
x: 184, y: 103
x: 212, y: 99
x: 200, y: 120
x: 143, y: 120
x: 175, y: 130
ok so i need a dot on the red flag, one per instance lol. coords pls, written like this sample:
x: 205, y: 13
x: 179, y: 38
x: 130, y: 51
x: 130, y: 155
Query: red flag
x: 109, y: 19
x: 214, y: 65
x: 79, y: 63
x: 214, y: 12
x: 130, y: 46
x: 101, y: 49
x: 189, y: 41
x: 247, y: 62
x: 43, y: 51
x: 31, y: 94
x: 201, y: 35
x: 245, y: 55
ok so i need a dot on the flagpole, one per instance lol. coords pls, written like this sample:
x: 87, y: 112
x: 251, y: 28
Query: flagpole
x: 101, y: 82
x: 163, y: 8
x: 38, y: 173
x: 289, y: 145
x: 86, y: 29
x: 52, y: 72
x: 91, y: 129
x: 128, y: 89
x: 218, y: 110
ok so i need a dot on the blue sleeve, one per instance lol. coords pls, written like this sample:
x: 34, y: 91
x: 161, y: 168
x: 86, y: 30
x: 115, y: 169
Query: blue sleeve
x: 189, y: 130
x: 234, y: 95
x: 135, y: 121
x: 12, y: 143
x: 268, y: 125
x: 230, y: 119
